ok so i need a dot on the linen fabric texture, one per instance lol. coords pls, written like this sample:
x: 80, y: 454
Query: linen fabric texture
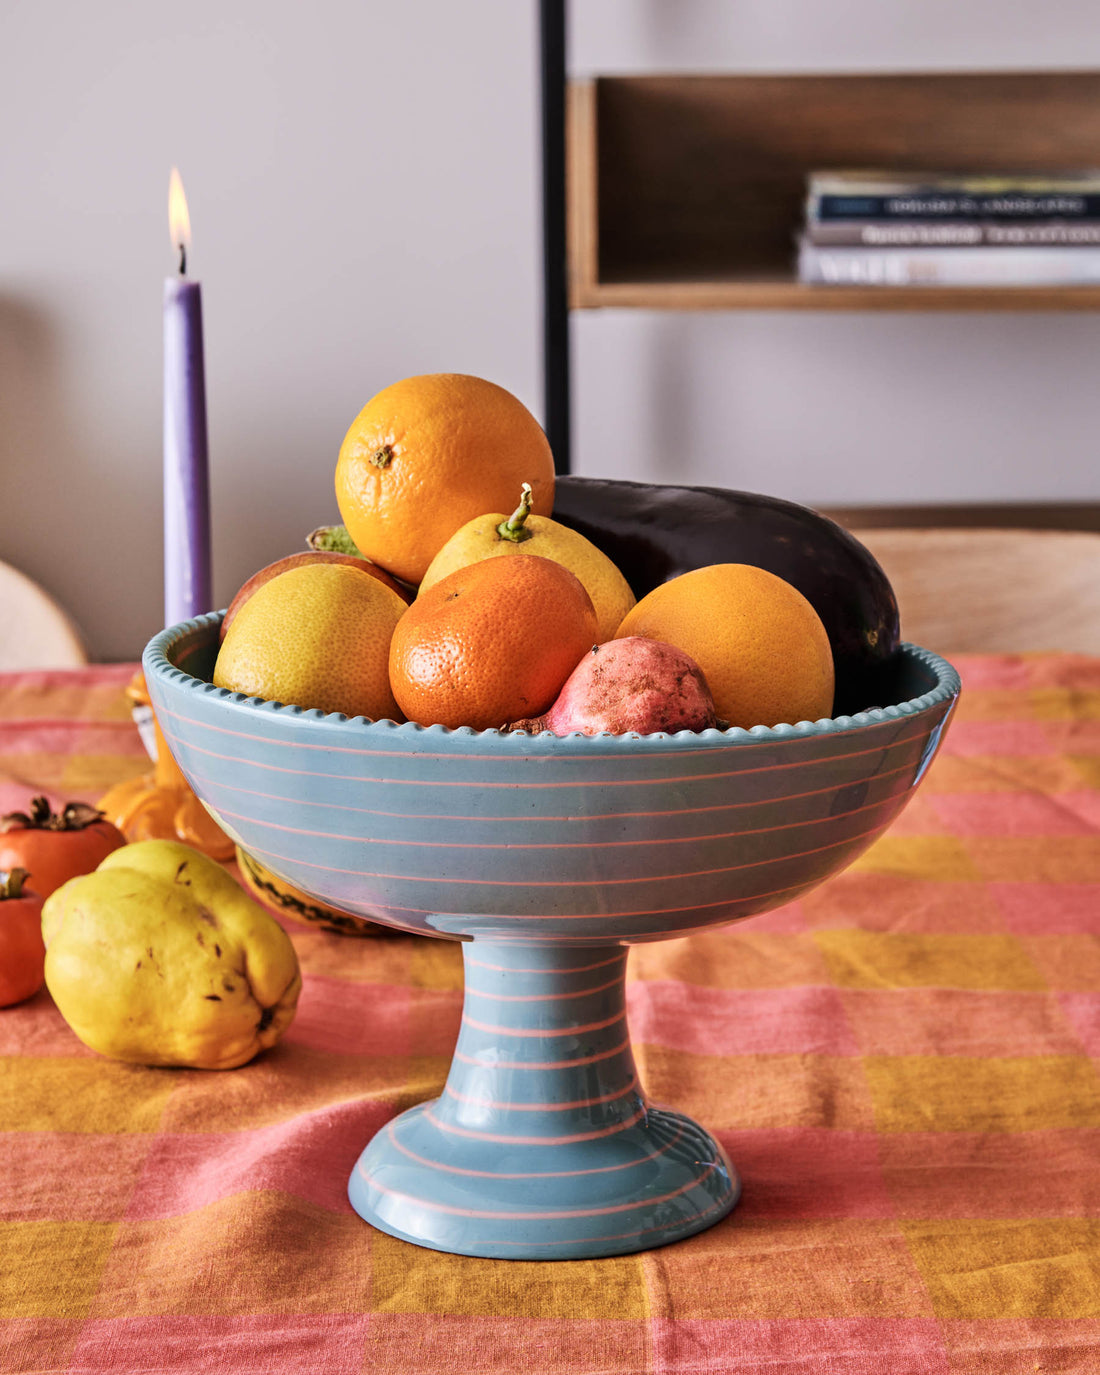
x: 902, y: 1065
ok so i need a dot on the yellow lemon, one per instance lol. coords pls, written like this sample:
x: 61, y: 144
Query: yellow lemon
x: 315, y: 636
x: 496, y: 535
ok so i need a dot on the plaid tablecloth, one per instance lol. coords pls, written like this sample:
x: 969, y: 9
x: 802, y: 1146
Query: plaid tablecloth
x: 903, y: 1065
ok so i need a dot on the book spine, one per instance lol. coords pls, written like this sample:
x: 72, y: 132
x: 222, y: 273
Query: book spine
x: 840, y: 266
x: 954, y: 233
x: 931, y: 205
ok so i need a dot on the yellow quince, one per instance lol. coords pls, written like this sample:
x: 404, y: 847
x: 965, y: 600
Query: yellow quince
x: 160, y: 958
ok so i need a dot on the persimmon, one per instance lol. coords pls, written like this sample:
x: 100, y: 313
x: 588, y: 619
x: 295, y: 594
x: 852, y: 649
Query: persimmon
x: 22, y: 950
x: 56, y: 846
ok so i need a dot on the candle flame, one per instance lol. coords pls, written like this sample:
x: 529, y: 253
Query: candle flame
x: 179, y: 221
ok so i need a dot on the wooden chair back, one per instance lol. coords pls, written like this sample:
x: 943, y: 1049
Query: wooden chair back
x: 993, y: 590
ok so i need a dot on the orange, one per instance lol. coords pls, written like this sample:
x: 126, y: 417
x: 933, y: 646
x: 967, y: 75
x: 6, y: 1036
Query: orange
x: 430, y: 453
x: 315, y: 636
x: 491, y: 643
x: 761, y: 645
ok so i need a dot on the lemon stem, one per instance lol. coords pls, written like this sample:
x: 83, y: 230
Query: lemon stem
x: 515, y: 527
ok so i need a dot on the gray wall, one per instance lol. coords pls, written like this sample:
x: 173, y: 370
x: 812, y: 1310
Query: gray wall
x: 363, y: 183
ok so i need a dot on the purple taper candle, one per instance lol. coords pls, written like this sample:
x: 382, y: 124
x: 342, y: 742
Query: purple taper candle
x: 187, y: 570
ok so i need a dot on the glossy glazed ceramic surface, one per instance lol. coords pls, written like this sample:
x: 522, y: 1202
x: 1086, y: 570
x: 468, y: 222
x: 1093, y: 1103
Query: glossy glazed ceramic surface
x: 546, y: 856
x: 542, y: 1143
x: 478, y: 834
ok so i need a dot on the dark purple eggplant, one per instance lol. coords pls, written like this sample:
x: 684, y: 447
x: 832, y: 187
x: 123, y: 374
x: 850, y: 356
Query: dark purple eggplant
x: 654, y: 533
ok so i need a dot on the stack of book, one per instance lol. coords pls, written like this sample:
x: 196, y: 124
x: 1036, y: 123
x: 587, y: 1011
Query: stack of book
x: 876, y: 229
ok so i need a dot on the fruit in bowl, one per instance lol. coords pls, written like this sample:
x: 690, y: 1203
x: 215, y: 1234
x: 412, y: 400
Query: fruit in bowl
x: 426, y: 455
x: 789, y: 615
x: 318, y: 635
x: 302, y: 559
x: 496, y: 535
x: 490, y: 642
x: 760, y: 644
x: 632, y: 685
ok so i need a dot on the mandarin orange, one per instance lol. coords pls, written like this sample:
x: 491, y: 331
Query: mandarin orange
x: 491, y: 643
x: 430, y: 453
x: 762, y: 647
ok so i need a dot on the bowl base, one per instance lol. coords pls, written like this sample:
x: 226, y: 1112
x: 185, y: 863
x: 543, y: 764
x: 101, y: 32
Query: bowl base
x: 542, y: 1145
x: 660, y: 1180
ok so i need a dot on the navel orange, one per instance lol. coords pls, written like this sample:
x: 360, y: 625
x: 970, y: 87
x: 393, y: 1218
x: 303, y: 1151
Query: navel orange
x: 315, y: 636
x: 430, y: 453
x: 761, y: 645
x: 491, y: 643
x: 495, y: 535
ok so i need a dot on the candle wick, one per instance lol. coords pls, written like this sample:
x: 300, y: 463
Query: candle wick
x: 183, y: 260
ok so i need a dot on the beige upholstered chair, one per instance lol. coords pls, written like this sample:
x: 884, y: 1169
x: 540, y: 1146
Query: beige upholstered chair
x: 975, y: 590
x: 34, y: 631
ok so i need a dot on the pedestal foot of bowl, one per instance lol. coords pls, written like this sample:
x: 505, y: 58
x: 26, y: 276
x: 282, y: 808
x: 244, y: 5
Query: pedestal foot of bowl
x: 542, y: 1145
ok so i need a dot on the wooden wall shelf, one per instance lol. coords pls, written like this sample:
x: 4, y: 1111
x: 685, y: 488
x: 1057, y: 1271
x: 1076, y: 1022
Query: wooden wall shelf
x: 1008, y: 515
x: 686, y: 192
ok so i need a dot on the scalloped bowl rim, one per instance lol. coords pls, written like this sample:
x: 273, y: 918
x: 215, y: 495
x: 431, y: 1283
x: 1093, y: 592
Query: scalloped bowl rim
x: 155, y: 660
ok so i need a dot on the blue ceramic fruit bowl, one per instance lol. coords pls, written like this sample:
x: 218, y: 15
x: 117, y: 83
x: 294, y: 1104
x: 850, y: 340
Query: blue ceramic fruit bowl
x: 547, y: 857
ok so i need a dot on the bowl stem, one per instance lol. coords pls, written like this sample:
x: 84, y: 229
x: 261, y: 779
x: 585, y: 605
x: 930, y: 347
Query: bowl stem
x: 542, y: 1144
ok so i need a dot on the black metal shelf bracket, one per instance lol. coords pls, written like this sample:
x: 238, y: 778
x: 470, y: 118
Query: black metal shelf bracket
x: 555, y: 290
